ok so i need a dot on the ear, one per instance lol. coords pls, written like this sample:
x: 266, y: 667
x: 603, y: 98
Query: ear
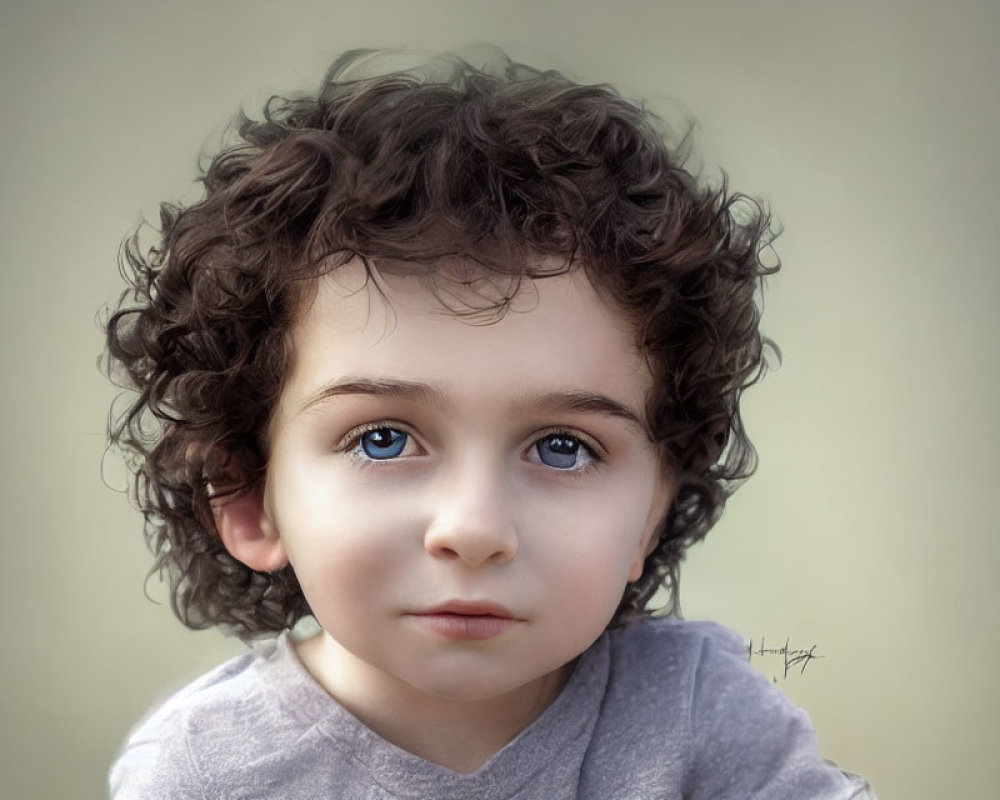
x: 248, y: 533
x: 663, y: 496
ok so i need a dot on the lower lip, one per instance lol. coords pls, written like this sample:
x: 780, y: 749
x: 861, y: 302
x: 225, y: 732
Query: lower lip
x: 460, y: 626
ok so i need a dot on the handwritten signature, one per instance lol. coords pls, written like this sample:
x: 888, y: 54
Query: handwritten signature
x: 792, y: 657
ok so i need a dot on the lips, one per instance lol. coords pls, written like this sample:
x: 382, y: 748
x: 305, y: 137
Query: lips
x: 462, y: 619
x: 472, y: 608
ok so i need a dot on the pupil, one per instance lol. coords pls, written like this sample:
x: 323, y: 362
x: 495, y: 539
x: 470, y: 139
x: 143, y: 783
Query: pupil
x: 563, y: 446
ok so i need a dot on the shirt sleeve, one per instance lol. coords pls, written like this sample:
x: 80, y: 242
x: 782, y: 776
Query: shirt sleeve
x: 749, y: 742
x: 155, y: 763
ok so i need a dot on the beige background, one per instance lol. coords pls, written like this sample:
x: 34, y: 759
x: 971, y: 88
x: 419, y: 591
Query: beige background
x: 870, y: 530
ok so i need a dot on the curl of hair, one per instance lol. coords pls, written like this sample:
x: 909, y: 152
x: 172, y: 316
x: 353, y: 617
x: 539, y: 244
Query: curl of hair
x: 440, y: 163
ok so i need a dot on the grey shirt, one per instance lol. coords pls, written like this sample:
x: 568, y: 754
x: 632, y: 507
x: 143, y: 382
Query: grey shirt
x: 657, y: 709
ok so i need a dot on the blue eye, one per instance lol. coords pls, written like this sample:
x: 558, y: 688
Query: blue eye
x: 383, y: 443
x: 562, y: 451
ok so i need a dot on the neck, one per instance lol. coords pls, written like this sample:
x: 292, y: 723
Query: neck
x: 461, y: 735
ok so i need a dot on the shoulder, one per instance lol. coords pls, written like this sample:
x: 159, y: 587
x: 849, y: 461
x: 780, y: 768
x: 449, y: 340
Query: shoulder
x: 655, y: 668
x: 202, y: 735
x: 726, y: 729
x: 664, y: 661
x: 676, y: 640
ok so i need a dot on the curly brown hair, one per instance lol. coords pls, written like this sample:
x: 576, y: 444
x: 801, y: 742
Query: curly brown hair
x: 418, y: 166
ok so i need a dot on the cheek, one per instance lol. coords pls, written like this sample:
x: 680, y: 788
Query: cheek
x: 338, y: 539
x: 592, y: 548
x: 346, y: 575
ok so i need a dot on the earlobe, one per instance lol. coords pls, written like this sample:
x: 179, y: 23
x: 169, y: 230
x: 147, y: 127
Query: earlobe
x: 638, y: 563
x: 248, y: 533
x: 648, y: 545
x: 662, y: 498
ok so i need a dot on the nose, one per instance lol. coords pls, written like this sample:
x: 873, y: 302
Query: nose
x: 473, y: 521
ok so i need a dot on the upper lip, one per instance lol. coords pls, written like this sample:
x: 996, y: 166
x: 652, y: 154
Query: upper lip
x: 471, y: 608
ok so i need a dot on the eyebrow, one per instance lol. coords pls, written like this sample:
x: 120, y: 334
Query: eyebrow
x: 380, y: 387
x: 579, y: 402
x: 568, y: 401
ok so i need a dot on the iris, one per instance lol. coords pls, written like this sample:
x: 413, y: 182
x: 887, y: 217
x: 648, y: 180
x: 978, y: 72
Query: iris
x: 383, y: 443
x: 558, y: 450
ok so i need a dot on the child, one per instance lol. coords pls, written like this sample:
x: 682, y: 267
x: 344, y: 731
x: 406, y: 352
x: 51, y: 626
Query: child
x: 450, y: 360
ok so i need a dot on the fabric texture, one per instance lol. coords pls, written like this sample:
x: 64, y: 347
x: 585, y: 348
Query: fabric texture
x: 658, y: 709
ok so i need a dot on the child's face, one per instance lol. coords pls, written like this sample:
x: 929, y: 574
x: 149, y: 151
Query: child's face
x: 423, y: 467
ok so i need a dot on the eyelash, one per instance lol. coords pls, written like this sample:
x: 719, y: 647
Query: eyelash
x: 351, y: 446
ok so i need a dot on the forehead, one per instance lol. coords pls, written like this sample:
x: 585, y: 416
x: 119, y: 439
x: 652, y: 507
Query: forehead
x: 556, y: 333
